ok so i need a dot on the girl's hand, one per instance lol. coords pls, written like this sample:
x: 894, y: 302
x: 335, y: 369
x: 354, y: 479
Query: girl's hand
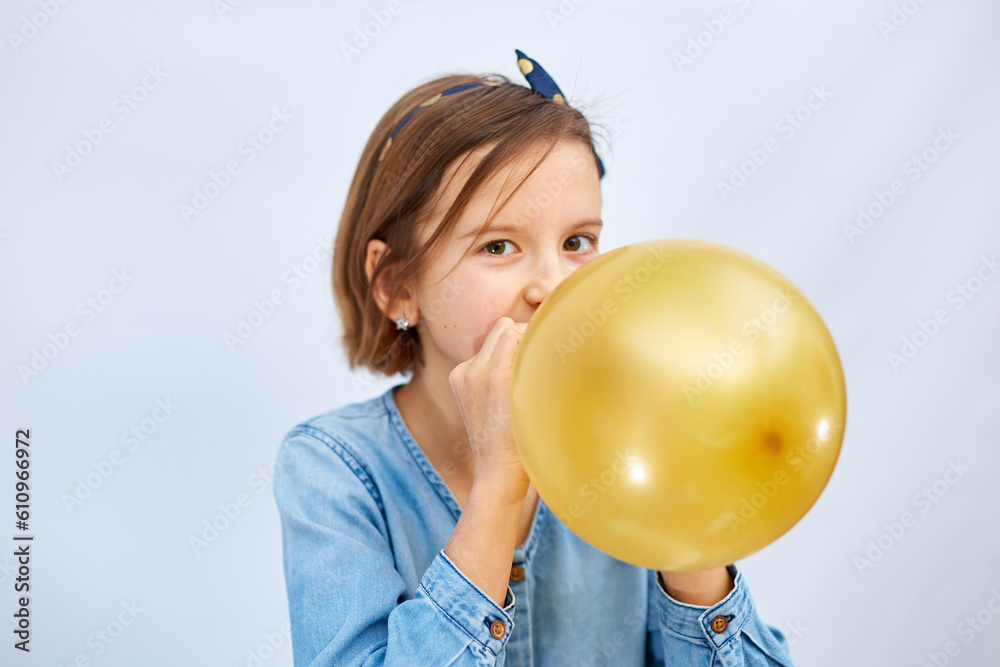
x: 482, y: 388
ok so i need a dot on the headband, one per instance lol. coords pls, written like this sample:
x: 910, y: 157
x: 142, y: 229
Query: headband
x: 537, y: 77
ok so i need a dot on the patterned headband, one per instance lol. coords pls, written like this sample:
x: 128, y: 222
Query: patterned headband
x: 537, y: 77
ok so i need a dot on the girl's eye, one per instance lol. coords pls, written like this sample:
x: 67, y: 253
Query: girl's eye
x: 587, y: 240
x: 497, y: 247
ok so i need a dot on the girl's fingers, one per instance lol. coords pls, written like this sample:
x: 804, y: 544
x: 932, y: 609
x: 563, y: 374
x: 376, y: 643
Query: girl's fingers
x: 489, y: 345
x: 506, y: 348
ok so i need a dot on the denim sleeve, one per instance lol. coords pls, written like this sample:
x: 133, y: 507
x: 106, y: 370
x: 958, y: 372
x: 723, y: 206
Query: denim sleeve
x: 347, y: 602
x: 684, y: 632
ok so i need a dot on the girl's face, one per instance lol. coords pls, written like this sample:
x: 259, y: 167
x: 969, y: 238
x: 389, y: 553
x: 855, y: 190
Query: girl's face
x: 547, y: 230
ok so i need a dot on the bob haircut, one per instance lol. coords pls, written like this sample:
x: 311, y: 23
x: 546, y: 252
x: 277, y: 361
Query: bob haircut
x: 391, y: 199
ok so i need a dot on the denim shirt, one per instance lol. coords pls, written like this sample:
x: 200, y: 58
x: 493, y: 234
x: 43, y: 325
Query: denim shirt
x: 365, y: 518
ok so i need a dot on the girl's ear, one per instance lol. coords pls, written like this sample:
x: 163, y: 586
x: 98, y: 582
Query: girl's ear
x: 404, y: 303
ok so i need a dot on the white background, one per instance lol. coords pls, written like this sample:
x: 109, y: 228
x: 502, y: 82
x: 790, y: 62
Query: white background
x: 671, y: 133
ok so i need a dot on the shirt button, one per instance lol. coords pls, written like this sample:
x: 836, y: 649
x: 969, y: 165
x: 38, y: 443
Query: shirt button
x: 516, y: 573
x: 498, y: 629
x: 719, y: 624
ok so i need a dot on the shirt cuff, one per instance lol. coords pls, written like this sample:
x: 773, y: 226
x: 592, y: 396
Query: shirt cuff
x: 467, y: 606
x: 695, y: 623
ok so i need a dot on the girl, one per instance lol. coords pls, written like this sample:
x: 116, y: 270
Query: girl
x: 411, y: 532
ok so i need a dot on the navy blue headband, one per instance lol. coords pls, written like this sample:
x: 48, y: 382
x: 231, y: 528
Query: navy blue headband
x: 537, y: 77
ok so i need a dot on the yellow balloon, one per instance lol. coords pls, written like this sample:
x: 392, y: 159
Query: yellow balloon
x: 678, y: 404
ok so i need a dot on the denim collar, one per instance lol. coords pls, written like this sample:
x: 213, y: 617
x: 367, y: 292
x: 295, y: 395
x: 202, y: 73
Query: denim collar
x: 523, y: 552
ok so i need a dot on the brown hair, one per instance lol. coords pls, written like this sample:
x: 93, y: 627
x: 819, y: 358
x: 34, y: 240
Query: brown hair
x: 388, y: 200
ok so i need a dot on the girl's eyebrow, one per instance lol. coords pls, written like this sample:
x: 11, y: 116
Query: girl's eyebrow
x: 517, y: 229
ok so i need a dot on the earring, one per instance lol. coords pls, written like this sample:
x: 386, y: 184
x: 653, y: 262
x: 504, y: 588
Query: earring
x: 402, y: 323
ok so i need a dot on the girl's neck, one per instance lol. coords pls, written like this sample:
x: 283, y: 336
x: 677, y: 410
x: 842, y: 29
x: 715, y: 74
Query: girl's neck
x: 428, y: 406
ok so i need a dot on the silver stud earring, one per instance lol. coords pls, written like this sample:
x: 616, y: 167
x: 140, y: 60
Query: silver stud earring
x: 402, y: 323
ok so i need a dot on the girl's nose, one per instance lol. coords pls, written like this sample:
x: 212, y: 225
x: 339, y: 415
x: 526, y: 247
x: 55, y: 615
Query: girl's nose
x: 543, y: 277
